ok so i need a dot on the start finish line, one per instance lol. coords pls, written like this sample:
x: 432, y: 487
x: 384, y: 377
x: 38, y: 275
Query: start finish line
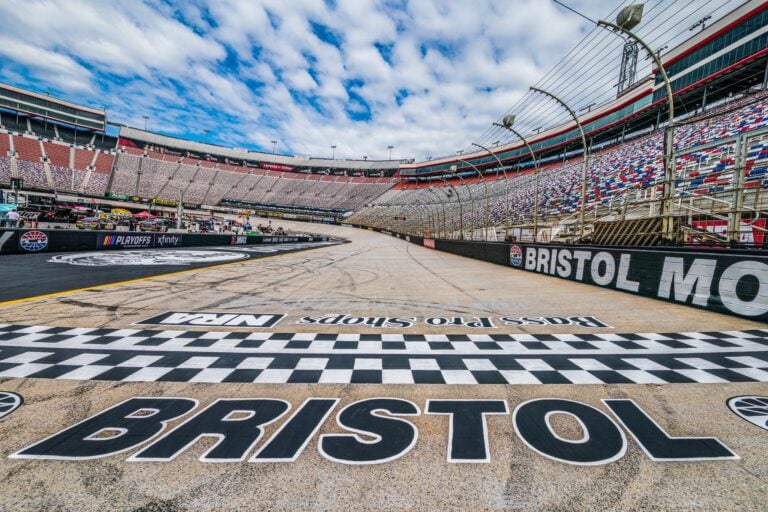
x: 375, y: 431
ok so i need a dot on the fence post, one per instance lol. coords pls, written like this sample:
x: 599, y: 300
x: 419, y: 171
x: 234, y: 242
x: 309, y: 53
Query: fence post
x: 737, y: 205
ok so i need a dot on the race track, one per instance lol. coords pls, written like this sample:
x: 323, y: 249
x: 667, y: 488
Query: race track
x: 371, y: 374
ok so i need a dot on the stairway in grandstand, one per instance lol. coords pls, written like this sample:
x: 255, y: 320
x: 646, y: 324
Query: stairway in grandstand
x: 634, y: 232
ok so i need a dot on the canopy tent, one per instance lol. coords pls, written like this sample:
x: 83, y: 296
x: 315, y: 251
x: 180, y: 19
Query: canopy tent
x: 143, y: 215
x: 120, y: 212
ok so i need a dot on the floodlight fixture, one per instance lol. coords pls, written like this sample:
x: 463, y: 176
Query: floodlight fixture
x: 630, y: 16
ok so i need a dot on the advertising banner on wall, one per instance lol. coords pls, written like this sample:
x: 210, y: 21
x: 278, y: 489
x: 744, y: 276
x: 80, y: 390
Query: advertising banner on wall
x: 26, y: 241
x: 751, y: 232
x: 730, y: 282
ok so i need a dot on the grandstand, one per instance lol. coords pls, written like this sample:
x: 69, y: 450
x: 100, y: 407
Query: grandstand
x: 621, y: 173
x: 719, y: 78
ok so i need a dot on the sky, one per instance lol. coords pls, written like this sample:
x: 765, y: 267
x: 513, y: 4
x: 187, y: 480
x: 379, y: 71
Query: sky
x: 423, y: 76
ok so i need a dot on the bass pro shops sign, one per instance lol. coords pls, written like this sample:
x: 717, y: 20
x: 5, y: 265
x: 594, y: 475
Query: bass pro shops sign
x: 723, y: 281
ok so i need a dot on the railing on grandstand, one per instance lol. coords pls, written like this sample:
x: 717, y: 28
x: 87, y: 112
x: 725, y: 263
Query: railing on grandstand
x: 721, y: 193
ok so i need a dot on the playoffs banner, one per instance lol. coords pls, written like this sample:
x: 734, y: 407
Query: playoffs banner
x: 728, y: 281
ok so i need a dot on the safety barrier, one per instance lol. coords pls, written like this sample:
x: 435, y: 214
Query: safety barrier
x: 730, y: 281
x: 25, y: 241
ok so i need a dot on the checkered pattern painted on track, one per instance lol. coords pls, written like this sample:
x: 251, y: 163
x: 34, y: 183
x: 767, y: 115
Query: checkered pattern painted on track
x: 219, y: 356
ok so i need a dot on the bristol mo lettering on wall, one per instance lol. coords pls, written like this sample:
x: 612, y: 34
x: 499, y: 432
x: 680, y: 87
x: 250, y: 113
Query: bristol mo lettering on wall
x: 728, y: 283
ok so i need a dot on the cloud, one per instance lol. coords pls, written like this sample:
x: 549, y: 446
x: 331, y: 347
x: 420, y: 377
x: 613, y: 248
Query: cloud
x: 426, y: 76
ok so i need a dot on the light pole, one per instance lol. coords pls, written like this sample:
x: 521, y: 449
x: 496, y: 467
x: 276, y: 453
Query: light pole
x: 461, y: 207
x: 485, y: 184
x: 626, y: 20
x: 333, y: 152
x: 419, y: 216
x: 441, y: 203
x: 507, y: 123
x: 390, y: 151
x: 586, y: 157
x: 274, y: 143
x: 146, y: 118
x: 506, y: 189
x: 180, y: 209
x: 471, y: 203
x: 430, y: 218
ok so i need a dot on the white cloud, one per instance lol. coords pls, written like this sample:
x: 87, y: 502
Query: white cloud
x: 252, y: 71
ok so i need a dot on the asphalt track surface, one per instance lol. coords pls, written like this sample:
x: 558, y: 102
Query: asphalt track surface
x: 77, y: 354
x: 31, y: 275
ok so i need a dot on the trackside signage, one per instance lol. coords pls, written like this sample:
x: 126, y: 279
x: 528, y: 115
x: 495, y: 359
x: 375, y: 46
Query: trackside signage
x: 138, y: 240
x: 15, y: 241
x: 728, y: 283
x: 374, y: 430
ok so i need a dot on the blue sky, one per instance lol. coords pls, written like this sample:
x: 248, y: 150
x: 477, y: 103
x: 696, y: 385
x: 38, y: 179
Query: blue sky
x: 424, y: 76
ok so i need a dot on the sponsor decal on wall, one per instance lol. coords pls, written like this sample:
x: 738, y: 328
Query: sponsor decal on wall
x: 124, y: 241
x: 138, y: 428
x: 751, y: 232
x: 152, y: 257
x: 279, y: 239
x: 33, y: 241
x: 754, y: 409
x: 168, y: 240
x: 734, y: 284
x: 200, y: 319
x: 429, y: 243
x: 239, y: 239
x: 9, y: 402
x: 515, y: 256
x: 139, y: 241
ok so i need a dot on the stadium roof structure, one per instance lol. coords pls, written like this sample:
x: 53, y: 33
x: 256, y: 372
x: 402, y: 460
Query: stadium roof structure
x: 48, y: 107
x: 242, y: 154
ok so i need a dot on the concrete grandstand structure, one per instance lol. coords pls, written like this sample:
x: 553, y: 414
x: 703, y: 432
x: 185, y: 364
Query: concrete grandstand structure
x: 718, y: 76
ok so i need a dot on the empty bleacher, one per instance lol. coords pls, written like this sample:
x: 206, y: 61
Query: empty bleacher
x: 634, y: 168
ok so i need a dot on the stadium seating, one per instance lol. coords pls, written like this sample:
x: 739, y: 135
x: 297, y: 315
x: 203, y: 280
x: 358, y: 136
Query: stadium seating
x: 633, y: 168
x: 57, y: 154
x: 5, y: 170
x: 96, y: 184
x: 33, y: 174
x: 630, y: 168
x: 27, y: 148
x: 5, y: 144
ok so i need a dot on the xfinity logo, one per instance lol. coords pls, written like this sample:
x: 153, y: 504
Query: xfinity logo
x: 213, y: 319
x: 166, y: 240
